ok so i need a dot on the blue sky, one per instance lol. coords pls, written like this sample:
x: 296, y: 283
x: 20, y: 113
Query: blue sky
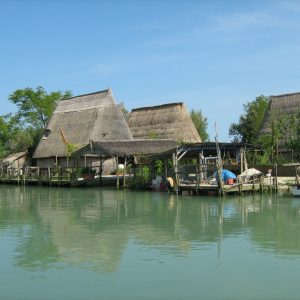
x: 213, y: 55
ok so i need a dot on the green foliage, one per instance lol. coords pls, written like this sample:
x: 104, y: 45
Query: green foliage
x: 279, y: 129
x: 35, y: 107
x: 23, y: 130
x: 4, y: 135
x: 159, y: 167
x: 154, y: 135
x: 141, y: 180
x: 246, y: 130
x: 292, y: 137
x: 200, y: 123
x: 71, y: 148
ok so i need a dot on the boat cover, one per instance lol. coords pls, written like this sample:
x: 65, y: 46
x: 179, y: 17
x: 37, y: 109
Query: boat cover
x: 226, y: 174
x: 250, y: 172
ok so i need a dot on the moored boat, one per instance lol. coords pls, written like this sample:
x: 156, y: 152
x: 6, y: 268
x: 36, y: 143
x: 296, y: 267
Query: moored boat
x: 295, y: 190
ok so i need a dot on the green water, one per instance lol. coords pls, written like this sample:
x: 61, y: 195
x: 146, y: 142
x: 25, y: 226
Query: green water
x: 104, y: 244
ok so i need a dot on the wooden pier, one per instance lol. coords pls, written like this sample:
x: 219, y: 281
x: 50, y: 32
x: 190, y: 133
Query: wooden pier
x: 210, y: 189
x: 69, y: 177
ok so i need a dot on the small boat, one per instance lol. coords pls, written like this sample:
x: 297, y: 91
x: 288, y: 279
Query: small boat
x: 295, y: 190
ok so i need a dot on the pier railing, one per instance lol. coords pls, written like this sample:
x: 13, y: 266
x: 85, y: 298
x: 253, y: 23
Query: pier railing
x: 56, y: 175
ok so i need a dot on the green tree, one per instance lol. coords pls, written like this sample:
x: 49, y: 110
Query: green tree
x: 35, y: 107
x: 23, y: 130
x: 200, y: 123
x: 246, y: 130
x: 292, y: 135
x: 4, y: 135
x: 279, y: 127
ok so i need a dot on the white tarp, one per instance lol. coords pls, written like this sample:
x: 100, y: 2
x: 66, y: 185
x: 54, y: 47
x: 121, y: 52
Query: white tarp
x: 250, y: 172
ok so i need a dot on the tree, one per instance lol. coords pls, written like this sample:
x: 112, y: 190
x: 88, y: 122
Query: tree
x: 292, y: 136
x: 246, y: 130
x: 4, y: 135
x: 23, y: 130
x: 35, y: 107
x: 200, y: 123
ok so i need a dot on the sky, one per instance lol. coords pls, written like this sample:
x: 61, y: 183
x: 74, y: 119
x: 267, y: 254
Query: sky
x: 214, y: 56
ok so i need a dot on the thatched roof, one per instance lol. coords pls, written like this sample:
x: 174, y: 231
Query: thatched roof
x: 168, y: 121
x: 287, y: 105
x: 83, y: 118
x: 127, y: 147
x: 13, y: 157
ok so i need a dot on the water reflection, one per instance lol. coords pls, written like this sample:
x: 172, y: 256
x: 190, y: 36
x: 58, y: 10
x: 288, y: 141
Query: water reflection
x: 92, y: 228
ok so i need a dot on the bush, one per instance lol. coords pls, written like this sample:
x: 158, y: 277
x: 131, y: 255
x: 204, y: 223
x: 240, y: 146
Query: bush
x: 141, y: 180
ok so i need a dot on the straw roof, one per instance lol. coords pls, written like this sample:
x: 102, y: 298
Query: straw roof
x: 13, y: 157
x: 127, y: 147
x: 287, y: 104
x: 83, y: 118
x: 168, y: 121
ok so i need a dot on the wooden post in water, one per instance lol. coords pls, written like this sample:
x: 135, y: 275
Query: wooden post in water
x: 242, y: 160
x: 276, y: 178
x: 125, y: 164
x: 100, y: 170
x: 174, y: 156
x: 200, y: 167
x: 219, y: 168
x: 117, y: 173
x: 261, y: 183
x: 49, y: 175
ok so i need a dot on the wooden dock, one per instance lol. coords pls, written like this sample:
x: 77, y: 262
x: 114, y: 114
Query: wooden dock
x: 68, y: 177
x: 213, y: 189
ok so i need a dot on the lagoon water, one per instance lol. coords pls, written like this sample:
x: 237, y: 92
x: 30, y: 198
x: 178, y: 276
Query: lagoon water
x: 97, y: 243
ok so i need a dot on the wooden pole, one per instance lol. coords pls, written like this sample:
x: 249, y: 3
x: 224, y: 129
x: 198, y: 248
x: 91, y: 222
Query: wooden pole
x: 219, y: 169
x: 174, y: 156
x: 276, y: 179
x: 261, y: 183
x: 242, y: 160
x: 125, y: 164
x: 118, y: 179
x: 100, y: 171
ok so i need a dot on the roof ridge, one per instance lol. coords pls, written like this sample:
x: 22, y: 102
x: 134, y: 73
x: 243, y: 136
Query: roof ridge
x: 108, y: 90
x: 157, y: 106
x: 287, y: 94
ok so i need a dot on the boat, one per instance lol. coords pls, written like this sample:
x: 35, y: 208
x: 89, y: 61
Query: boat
x: 295, y: 190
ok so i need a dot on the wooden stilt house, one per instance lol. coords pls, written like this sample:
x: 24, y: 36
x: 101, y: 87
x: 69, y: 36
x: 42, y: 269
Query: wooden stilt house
x: 74, y: 123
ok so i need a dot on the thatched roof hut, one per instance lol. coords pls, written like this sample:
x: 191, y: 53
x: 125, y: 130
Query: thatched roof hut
x: 286, y: 106
x: 168, y: 121
x: 80, y: 119
x: 14, y: 160
x: 145, y: 147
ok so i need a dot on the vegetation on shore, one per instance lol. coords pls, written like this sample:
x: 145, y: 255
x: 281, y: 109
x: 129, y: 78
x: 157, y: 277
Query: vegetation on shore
x: 22, y: 130
x: 284, y: 131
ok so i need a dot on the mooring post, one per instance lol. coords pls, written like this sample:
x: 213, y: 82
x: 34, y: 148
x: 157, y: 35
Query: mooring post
x: 261, y: 183
x: 276, y: 178
x: 174, y: 156
x: 125, y: 164
x: 117, y: 173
